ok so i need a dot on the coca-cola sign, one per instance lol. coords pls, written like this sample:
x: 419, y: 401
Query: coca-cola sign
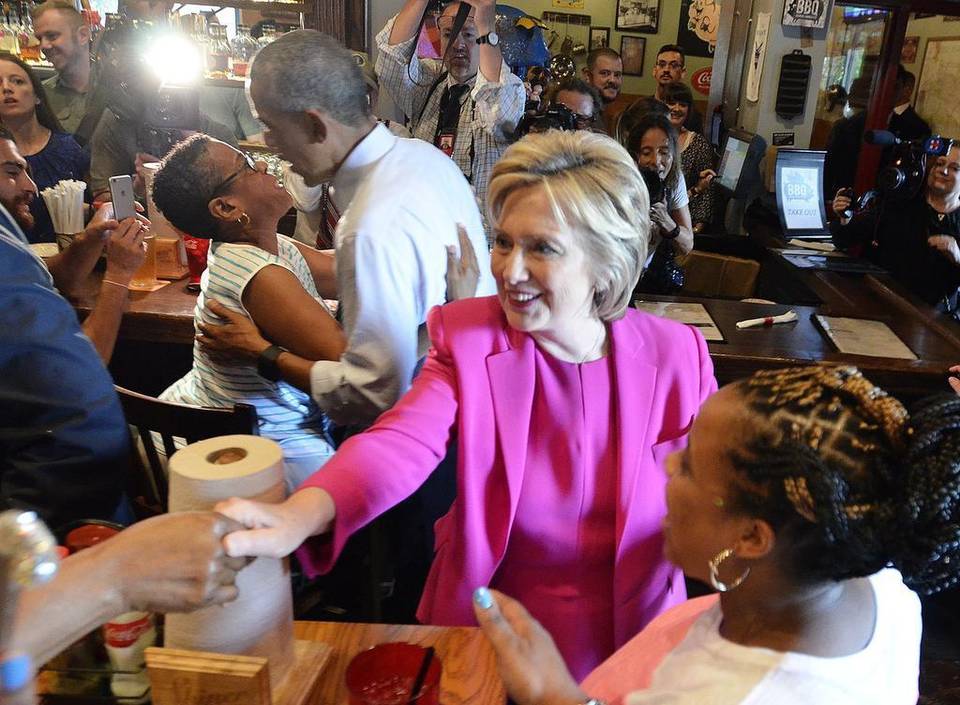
x: 700, y: 80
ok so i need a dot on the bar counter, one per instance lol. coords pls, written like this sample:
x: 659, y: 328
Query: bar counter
x: 158, y: 326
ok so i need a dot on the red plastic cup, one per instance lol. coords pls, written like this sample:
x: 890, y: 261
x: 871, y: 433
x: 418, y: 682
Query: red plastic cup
x: 384, y: 675
x: 89, y: 535
x: 196, y: 248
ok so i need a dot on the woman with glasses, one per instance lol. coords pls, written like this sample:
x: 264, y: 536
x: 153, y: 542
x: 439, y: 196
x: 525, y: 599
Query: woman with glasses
x: 696, y: 156
x: 210, y: 190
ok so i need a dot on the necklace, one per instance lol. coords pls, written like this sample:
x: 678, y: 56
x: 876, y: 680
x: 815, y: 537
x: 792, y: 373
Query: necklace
x: 595, y: 346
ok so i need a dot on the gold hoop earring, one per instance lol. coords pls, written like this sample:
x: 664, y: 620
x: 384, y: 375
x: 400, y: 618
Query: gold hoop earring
x: 244, y: 220
x: 715, y: 563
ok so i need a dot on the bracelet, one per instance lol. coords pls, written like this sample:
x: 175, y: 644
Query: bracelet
x: 110, y: 281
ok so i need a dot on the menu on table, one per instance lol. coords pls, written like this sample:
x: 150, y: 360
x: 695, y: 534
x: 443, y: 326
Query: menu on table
x: 692, y: 314
x: 858, y: 336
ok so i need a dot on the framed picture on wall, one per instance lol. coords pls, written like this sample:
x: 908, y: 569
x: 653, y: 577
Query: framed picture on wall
x: 631, y: 52
x: 908, y: 54
x: 936, y: 97
x: 638, y: 16
x: 599, y: 38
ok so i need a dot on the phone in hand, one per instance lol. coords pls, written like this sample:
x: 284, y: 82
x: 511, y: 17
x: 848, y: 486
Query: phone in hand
x: 121, y: 193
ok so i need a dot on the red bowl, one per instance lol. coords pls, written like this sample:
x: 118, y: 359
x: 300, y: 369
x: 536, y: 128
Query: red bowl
x: 384, y: 675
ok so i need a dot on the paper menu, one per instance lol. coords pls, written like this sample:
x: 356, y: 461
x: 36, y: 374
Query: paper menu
x: 856, y: 336
x: 692, y: 314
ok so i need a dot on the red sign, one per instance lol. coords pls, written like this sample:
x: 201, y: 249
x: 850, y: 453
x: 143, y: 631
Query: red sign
x: 701, y: 80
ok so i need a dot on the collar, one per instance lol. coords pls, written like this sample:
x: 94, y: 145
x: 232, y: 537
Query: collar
x: 370, y: 150
x: 901, y: 109
x: 451, y: 81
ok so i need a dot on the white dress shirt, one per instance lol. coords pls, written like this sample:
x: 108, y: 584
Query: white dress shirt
x: 401, y: 201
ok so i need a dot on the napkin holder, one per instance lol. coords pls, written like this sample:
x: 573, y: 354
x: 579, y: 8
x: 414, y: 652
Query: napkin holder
x: 182, y: 677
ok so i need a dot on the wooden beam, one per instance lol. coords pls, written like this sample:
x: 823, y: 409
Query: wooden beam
x: 344, y: 19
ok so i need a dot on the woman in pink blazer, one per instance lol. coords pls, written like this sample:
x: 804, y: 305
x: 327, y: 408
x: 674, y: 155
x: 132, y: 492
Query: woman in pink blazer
x: 563, y: 403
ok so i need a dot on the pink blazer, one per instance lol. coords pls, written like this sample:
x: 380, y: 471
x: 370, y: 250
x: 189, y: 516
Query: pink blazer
x: 477, y: 386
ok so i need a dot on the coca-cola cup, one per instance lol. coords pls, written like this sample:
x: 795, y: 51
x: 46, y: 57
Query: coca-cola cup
x: 197, y: 248
x: 385, y: 675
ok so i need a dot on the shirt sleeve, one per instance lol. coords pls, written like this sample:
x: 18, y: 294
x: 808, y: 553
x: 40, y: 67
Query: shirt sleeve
x: 382, y: 318
x: 63, y: 440
x: 677, y: 196
x: 405, y: 77
x: 499, y: 103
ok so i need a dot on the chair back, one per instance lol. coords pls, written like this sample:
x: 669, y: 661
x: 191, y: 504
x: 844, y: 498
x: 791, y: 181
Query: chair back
x: 148, y: 415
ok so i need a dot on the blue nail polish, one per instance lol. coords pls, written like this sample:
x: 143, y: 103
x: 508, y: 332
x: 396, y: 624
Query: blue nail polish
x: 483, y: 598
x: 15, y: 672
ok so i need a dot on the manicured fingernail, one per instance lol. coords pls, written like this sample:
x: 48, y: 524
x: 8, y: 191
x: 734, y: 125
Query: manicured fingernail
x: 483, y: 598
x: 15, y: 673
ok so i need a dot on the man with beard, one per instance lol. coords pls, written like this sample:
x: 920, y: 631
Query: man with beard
x: 670, y: 67
x: 65, y: 42
x: 604, y: 71
x: 63, y: 440
x: 469, y: 105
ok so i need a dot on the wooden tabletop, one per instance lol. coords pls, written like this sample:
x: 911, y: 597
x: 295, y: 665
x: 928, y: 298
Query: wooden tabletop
x: 469, y: 665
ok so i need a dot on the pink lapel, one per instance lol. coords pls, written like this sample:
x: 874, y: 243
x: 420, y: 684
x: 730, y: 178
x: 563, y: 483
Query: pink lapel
x: 635, y: 382
x: 511, y: 373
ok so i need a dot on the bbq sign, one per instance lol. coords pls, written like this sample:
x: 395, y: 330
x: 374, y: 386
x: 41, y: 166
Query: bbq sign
x: 800, y: 198
x: 805, y: 13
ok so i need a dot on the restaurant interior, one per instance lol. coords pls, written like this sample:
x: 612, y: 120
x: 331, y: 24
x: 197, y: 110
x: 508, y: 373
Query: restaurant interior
x: 764, y: 283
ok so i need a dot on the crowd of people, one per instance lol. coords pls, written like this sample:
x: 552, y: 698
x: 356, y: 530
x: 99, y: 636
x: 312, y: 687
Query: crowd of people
x: 591, y: 461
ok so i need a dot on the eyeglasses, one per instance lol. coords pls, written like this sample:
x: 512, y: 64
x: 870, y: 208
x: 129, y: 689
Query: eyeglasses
x: 672, y: 65
x: 248, y: 163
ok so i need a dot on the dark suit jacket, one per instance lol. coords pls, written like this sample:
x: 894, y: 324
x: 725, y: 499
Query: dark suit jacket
x: 909, y: 126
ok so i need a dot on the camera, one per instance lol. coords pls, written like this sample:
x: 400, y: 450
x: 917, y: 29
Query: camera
x: 555, y: 117
x: 905, y: 174
x: 655, y: 186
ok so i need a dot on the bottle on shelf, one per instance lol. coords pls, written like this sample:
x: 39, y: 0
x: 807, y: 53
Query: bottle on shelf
x: 9, y: 41
x: 242, y: 49
x: 218, y: 50
x: 29, y: 44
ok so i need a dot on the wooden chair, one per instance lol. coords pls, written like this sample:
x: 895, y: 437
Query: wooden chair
x: 171, y: 420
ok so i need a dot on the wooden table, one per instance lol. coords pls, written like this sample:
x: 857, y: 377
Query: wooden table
x: 469, y: 665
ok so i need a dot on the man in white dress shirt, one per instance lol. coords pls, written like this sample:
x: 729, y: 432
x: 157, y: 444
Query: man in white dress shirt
x: 400, y: 202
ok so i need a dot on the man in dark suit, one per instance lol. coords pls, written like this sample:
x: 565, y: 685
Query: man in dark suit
x: 904, y: 121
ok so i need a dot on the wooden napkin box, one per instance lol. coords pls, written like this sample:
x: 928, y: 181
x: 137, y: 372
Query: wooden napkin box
x: 171, y: 258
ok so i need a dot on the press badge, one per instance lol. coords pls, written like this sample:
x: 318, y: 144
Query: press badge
x: 445, y: 142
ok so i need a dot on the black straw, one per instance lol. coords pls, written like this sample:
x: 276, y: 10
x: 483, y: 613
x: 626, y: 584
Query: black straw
x: 422, y: 674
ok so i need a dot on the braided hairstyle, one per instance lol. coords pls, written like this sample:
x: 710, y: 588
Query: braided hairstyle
x: 848, y: 479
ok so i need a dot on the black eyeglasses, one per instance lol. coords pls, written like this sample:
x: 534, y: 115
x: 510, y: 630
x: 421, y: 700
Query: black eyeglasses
x: 249, y: 163
x: 674, y: 65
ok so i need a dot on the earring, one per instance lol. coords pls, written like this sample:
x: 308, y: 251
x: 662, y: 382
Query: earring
x: 244, y: 220
x: 714, y: 564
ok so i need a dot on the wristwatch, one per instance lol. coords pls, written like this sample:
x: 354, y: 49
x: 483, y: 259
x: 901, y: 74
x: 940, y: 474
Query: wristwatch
x: 267, y: 363
x: 491, y: 38
x: 672, y: 235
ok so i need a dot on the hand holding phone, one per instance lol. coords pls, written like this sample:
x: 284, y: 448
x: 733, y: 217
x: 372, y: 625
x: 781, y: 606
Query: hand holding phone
x: 121, y: 193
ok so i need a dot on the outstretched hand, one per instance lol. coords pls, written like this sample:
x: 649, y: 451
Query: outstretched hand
x: 463, y: 272
x: 955, y: 380
x: 529, y: 663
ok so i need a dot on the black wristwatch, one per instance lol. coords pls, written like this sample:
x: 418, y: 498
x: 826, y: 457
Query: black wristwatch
x: 267, y: 363
x: 491, y: 38
x: 672, y: 235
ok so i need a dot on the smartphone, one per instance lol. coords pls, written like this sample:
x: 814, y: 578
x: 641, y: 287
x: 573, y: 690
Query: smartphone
x: 121, y: 193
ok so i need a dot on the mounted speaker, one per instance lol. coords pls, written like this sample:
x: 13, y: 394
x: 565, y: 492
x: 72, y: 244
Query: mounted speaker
x: 794, y: 79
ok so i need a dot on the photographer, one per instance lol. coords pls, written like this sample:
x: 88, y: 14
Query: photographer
x: 916, y: 239
x: 572, y: 104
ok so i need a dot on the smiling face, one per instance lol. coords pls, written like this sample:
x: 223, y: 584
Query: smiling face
x: 62, y: 41
x: 944, y: 177
x: 678, y: 114
x: 17, y: 189
x: 463, y: 61
x: 540, y: 269
x: 606, y: 76
x: 670, y: 67
x: 247, y: 187
x: 698, y: 524
x: 655, y: 153
x: 19, y: 100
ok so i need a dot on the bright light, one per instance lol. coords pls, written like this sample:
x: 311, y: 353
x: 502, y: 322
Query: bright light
x: 174, y: 59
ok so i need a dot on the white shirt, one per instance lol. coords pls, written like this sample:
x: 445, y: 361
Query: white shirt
x: 401, y: 201
x: 706, y: 669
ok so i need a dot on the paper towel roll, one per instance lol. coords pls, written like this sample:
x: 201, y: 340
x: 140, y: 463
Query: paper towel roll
x: 260, y: 621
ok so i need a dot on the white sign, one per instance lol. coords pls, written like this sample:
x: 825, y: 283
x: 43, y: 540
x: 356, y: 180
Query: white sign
x: 805, y: 13
x: 800, y: 198
x: 757, y: 56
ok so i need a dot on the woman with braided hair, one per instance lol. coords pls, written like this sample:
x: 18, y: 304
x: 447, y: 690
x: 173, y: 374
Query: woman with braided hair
x: 816, y: 506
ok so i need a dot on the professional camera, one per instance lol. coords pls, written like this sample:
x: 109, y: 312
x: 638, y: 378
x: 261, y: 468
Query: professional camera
x: 655, y: 186
x: 556, y: 117
x: 903, y: 177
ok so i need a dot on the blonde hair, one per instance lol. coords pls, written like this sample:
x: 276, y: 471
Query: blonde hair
x: 66, y: 6
x: 595, y: 189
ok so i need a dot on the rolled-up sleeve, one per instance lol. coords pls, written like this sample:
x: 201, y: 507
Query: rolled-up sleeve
x: 405, y: 78
x: 499, y: 103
